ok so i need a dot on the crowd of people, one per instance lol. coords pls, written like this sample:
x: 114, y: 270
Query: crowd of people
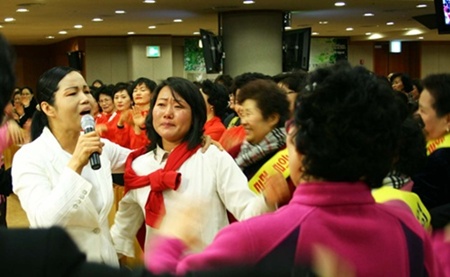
x: 334, y: 172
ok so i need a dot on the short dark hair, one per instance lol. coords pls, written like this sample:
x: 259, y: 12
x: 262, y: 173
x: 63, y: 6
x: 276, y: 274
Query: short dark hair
x: 98, y: 81
x: 438, y: 85
x: 292, y: 80
x: 244, y: 78
x: 406, y: 80
x: 7, y: 76
x: 193, y: 97
x: 412, y: 154
x: 46, y: 88
x: 142, y: 80
x: 269, y: 98
x: 217, y: 96
x: 225, y: 80
x: 122, y: 86
x: 347, y: 125
x: 105, y: 90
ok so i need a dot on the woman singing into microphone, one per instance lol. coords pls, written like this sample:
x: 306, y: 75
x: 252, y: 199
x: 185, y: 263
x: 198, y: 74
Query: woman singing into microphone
x: 52, y: 176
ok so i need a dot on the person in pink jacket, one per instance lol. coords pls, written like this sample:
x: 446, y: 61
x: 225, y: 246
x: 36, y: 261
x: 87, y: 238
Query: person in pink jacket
x: 341, y: 143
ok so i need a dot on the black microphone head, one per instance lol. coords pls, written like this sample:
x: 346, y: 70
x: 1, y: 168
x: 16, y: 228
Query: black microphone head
x: 87, y: 121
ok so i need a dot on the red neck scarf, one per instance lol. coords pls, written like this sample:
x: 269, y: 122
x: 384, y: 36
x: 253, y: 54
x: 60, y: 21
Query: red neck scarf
x: 159, y: 180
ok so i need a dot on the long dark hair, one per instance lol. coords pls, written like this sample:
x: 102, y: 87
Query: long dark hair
x: 46, y: 89
x: 192, y: 95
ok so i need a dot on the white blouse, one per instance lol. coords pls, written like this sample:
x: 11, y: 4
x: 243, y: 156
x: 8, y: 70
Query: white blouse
x: 212, y: 177
x: 53, y: 194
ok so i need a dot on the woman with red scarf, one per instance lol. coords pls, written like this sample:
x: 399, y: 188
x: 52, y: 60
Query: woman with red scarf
x: 173, y: 165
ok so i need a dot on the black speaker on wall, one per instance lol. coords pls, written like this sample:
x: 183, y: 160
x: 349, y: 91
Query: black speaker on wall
x: 75, y: 59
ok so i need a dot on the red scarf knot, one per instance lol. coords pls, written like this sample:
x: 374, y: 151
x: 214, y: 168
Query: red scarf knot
x: 159, y: 180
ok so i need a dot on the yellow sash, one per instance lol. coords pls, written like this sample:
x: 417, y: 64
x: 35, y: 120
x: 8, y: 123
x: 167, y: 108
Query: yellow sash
x: 443, y: 142
x: 279, y: 162
x: 387, y: 193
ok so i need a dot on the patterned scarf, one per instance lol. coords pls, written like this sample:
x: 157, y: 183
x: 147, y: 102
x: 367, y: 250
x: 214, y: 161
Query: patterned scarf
x: 396, y: 180
x: 251, y: 153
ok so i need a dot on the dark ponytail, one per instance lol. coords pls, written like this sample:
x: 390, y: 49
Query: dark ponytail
x: 46, y: 89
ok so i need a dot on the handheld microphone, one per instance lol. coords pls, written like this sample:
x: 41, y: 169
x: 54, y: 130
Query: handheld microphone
x: 88, y: 125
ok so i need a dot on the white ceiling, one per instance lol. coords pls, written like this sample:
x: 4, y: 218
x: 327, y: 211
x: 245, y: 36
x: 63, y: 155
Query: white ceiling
x: 49, y: 17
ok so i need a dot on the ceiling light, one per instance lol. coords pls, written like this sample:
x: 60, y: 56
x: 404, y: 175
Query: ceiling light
x: 178, y: 20
x: 314, y: 33
x: 390, y: 23
x: 62, y: 32
x: 420, y: 37
x: 10, y: 19
x: 196, y: 33
x: 413, y: 32
x: 339, y: 4
x: 1, y: 26
x: 79, y: 26
x: 97, y: 19
x: 248, y: 2
x: 49, y: 37
x: 368, y: 33
x: 369, y: 14
x: 349, y: 29
x: 375, y: 36
x: 149, y: 1
x: 130, y: 33
x: 323, y: 22
x: 421, y: 6
x: 22, y: 10
x: 152, y: 27
x: 120, y: 12
x: 288, y: 28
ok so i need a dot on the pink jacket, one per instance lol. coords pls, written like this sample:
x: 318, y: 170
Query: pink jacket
x: 375, y: 239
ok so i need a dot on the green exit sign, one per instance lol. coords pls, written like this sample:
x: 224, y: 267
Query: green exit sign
x: 153, y: 52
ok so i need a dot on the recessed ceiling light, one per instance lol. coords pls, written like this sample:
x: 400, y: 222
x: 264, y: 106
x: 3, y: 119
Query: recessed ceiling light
x: 349, y: 29
x: 22, y: 10
x: 369, y: 14
x: 120, y: 12
x: 79, y: 26
x: 10, y: 19
x: 62, y: 32
x: 130, y: 33
x: 375, y: 36
x: 421, y: 6
x: 178, y: 20
x: 1, y: 26
x: 97, y: 19
x: 152, y: 27
x: 420, y: 37
x: 248, y: 2
x: 368, y: 33
x: 323, y: 22
x: 339, y: 4
x: 196, y: 33
x: 49, y: 37
x: 314, y: 33
x: 390, y: 23
x: 413, y: 32
x: 288, y: 28
x: 149, y: 1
